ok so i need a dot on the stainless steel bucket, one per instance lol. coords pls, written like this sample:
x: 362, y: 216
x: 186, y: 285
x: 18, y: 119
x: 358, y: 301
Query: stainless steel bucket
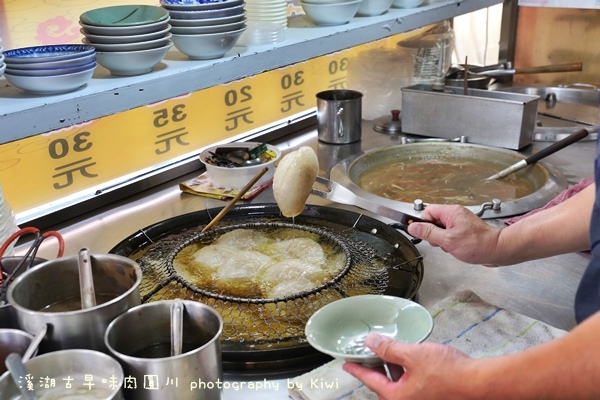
x: 56, y: 282
x: 339, y: 116
x: 141, y: 340
x: 75, y: 373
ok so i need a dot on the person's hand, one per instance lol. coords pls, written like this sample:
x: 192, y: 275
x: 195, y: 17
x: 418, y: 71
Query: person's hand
x: 431, y: 371
x: 466, y: 236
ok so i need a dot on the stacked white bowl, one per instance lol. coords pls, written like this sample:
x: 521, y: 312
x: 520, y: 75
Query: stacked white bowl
x: 330, y: 12
x: 50, y: 69
x: 130, y: 39
x: 206, y: 29
x: 267, y: 12
x: 369, y: 8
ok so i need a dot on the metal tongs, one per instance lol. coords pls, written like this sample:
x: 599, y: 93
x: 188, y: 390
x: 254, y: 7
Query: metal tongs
x: 339, y: 194
x: 28, y: 259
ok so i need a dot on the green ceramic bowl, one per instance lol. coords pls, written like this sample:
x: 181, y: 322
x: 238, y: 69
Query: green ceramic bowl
x: 339, y: 328
x: 127, y: 15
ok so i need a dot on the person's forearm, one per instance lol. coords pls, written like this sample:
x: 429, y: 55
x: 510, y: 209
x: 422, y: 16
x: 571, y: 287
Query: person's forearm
x: 565, y: 368
x: 561, y: 229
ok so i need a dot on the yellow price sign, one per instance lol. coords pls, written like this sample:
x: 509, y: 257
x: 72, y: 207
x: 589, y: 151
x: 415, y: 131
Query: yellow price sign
x: 47, y: 168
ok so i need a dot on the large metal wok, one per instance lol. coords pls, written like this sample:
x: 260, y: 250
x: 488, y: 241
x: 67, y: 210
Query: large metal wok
x: 547, y: 181
x: 265, y: 337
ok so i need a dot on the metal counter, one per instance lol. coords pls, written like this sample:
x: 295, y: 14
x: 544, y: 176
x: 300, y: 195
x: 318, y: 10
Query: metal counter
x: 542, y: 289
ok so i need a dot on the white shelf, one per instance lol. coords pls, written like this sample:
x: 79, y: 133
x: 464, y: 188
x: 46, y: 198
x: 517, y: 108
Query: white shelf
x: 23, y: 115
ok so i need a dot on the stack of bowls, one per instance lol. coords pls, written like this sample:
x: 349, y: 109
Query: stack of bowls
x: 130, y: 39
x: 369, y: 8
x: 330, y: 12
x: 267, y: 12
x: 50, y: 69
x: 206, y: 29
x: 2, y: 64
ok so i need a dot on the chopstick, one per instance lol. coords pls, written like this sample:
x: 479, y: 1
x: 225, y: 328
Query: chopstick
x: 235, y: 200
x: 465, y: 77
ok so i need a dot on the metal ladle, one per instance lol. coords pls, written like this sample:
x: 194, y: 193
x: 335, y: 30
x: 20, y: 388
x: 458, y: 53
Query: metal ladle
x: 86, y: 280
x: 176, y: 328
x: 18, y: 371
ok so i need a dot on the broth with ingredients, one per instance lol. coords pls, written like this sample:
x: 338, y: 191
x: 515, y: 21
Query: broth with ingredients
x: 448, y: 181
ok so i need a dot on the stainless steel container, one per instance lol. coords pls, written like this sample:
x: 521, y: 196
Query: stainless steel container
x: 485, y: 117
x: 56, y: 282
x: 339, y: 116
x: 8, y: 315
x: 141, y: 340
x: 69, y: 374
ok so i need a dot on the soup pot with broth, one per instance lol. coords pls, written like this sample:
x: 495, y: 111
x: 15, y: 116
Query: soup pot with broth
x: 50, y: 294
x: 448, y: 173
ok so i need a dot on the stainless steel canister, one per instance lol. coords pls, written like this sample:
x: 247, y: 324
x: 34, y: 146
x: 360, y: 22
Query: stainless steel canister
x: 141, y: 340
x: 49, y: 293
x: 339, y: 116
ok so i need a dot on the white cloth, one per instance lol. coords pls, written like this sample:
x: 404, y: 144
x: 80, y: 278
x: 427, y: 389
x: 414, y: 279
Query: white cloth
x: 463, y: 321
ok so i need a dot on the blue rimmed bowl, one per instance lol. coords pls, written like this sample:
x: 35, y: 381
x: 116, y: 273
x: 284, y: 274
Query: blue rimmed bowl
x: 195, y: 5
x: 200, y: 14
x: 193, y: 30
x: 208, y: 21
x: 70, y: 62
x: 51, y: 71
x: 42, y: 54
x: 125, y: 15
x: 53, y: 84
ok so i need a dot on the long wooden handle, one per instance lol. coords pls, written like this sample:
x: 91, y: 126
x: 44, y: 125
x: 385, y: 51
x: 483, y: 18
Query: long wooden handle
x: 550, y: 68
x: 235, y: 199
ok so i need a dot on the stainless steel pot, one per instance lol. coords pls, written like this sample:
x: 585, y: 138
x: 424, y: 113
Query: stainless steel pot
x: 55, y: 282
x: 8, y: 315
x: 141, y: 340
x: 549, y: 181
x: 76, y: 374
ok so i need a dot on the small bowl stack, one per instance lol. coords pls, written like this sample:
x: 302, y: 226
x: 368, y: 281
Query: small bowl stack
x: 2, y: 64
x: 206, y: 29
x: 267, y: 12
x: 129, y: 40
x: 369, y: 8
x: 50, y: 69
x: 330, y: 12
